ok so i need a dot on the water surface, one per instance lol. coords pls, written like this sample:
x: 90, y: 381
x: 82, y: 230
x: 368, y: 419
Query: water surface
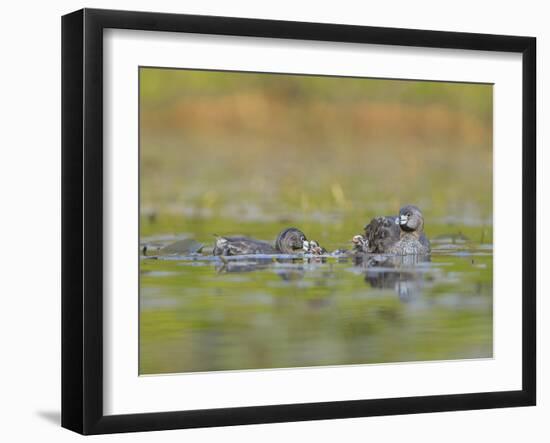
x: 201, y: 313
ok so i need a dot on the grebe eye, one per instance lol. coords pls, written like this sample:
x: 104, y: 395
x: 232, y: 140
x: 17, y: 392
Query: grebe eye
x: 302, y: 238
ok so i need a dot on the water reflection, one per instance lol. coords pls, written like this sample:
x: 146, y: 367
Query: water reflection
x: 202, y: 313
x: 403, y: 274
x: 398, y: 273
x: 244, y: 265
x: 288, y: 268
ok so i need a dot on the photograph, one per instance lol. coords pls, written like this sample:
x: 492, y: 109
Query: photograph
x: 291, y: 220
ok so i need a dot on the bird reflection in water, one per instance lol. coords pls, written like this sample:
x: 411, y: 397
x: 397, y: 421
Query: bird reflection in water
x: 400, y: 273
x: 288, y: 268
x: 243, y: 264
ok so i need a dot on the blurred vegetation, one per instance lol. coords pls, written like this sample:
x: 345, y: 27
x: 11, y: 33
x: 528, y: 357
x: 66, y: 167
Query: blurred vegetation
x: 244, y: 146
x: 166, y: 87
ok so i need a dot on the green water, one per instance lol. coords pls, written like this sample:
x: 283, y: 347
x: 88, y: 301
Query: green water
x: 198, y: 313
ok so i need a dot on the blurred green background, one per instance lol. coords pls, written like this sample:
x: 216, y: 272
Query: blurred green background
x: 246, y: 153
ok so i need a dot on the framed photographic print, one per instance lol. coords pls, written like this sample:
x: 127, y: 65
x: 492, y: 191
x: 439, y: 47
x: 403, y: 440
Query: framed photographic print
x: 269, y: 221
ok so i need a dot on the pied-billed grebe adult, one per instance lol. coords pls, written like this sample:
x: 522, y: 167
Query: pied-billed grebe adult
x: 239, y: 245
x: 289, y: 241
x: 399, y: 235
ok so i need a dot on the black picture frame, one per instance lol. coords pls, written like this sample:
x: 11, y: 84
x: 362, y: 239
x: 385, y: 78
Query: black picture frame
x: 82, y: 220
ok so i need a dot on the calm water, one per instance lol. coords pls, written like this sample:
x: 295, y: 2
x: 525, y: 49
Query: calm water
x: 199, y: 313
